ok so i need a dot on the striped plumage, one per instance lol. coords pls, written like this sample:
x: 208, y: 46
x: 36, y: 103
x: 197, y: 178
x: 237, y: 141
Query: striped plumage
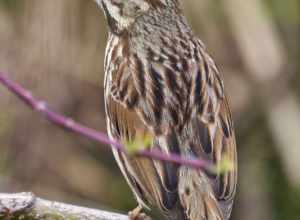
x: 160, y: 81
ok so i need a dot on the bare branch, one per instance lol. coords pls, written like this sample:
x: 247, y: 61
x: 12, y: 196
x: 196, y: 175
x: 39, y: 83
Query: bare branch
x: 71, y: 125
x: 26, y: 206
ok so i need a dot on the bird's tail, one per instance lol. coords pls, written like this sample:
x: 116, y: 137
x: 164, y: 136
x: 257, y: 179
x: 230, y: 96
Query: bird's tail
x: 196, y: 197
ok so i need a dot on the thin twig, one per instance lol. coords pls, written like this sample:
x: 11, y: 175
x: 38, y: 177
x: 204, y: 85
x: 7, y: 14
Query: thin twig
x: 71, y: 125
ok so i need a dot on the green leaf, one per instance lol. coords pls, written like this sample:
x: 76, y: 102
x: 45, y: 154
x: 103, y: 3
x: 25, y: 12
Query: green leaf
x: 224, y: 166
x: 141, y: 142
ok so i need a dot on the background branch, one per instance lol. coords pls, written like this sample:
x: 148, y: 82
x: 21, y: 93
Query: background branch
x: 26, y: 206
x: 92, y: 134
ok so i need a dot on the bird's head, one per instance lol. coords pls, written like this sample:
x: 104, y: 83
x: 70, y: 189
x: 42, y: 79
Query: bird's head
x: 121, y: 14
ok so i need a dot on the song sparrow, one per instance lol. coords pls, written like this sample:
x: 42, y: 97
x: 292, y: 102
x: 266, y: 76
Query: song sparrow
x: 160, y: 81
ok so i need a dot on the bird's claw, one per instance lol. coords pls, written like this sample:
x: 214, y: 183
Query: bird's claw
x: 136, y: 214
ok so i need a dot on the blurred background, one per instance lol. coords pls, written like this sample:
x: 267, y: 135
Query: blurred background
x: 55, y: 48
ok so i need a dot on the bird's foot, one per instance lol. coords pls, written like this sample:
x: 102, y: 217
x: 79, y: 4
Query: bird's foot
x: 137, y: 214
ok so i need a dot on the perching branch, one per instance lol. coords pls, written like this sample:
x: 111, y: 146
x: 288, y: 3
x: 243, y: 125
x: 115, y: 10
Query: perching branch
x: 69, y: 124
x: 25, y: 206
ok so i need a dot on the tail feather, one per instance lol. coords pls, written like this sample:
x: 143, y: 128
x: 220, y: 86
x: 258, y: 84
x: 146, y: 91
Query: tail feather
x: 197, y: 197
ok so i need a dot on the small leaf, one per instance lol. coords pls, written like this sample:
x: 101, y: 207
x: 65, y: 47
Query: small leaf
x: 141, y: 142
x: 224, y: 166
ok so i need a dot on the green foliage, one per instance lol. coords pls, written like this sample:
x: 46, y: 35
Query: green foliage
x: 9, y: 4
x: 286, y: 12
x: 286, y: 198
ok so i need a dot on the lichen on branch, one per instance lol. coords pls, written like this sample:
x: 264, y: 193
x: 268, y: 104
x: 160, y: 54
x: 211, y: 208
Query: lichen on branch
x: 25, y: 206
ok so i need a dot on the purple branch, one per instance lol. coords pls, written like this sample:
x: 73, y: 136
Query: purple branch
x: 92, y: 134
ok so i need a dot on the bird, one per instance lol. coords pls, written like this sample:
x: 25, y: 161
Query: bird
x: 160, y: 81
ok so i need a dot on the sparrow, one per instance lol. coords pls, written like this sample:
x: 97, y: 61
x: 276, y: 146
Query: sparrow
x: 161, y: 82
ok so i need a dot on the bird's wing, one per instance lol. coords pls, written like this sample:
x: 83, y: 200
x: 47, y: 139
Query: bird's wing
x: 210, y: 136
x: 128, y: 120
x: 215, y: 142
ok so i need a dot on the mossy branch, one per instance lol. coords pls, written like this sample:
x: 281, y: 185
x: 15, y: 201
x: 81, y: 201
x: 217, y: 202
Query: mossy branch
x: 25, y: 206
